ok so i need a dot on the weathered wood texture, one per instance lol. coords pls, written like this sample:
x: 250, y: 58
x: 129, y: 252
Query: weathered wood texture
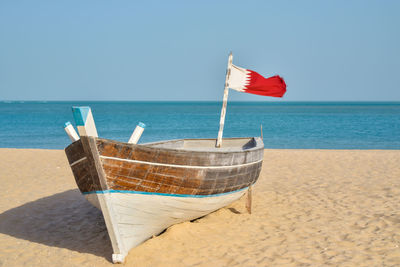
x: 172, y: 180
x: 147, y: 177
x: 80, y: 167
x: 190, y: 173
x: 81, y: 160
x: 116, y: 149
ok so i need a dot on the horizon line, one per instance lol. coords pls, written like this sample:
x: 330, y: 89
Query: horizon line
x: 237, y: 101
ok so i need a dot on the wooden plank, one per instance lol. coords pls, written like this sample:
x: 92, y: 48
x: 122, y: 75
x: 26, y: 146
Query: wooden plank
x: 106, y: 205
x: 135, y: 176
x: 113, y: 149
x: 88, y: 132
x: 142, y: 216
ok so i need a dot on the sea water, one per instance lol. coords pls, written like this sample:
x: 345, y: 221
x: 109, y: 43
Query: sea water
x: 303, y: 125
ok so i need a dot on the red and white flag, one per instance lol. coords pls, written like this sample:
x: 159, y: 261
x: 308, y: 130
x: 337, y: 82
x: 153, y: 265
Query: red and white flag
x: 248, y: 81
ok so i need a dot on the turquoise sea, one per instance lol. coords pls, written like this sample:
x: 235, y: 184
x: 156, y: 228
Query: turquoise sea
x: 322, y: 125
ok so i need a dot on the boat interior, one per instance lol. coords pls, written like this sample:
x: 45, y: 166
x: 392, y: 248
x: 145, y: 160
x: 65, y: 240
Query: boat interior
x: 228, y: 144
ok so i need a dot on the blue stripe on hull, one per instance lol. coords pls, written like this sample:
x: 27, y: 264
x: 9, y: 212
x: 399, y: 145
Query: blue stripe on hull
x: 160, y: 194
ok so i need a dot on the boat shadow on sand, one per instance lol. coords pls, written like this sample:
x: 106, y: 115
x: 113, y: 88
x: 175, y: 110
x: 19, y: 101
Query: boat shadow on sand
x: 64, y: 220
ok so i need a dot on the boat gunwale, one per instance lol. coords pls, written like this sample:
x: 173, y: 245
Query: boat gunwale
x: 259, y: 145
x: 149, y: 145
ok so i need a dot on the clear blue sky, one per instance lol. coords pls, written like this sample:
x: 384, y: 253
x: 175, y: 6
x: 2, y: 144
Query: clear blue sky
x: 178, y: 50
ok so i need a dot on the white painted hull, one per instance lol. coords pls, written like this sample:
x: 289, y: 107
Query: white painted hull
x: 137, y: 217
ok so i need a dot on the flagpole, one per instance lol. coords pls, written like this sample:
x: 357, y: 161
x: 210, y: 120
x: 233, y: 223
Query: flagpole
x: 224, y: 102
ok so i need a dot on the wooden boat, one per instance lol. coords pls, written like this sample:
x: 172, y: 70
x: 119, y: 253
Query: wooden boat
x: 143, y: 189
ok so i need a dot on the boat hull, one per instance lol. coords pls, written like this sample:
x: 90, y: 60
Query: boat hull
x: 140, y: 216
x: 143, y: 189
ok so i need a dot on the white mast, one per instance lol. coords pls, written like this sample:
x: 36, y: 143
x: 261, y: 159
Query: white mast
x: 224, y: 102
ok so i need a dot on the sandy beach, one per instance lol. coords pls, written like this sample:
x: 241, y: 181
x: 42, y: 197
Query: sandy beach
x: 310, y: 208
